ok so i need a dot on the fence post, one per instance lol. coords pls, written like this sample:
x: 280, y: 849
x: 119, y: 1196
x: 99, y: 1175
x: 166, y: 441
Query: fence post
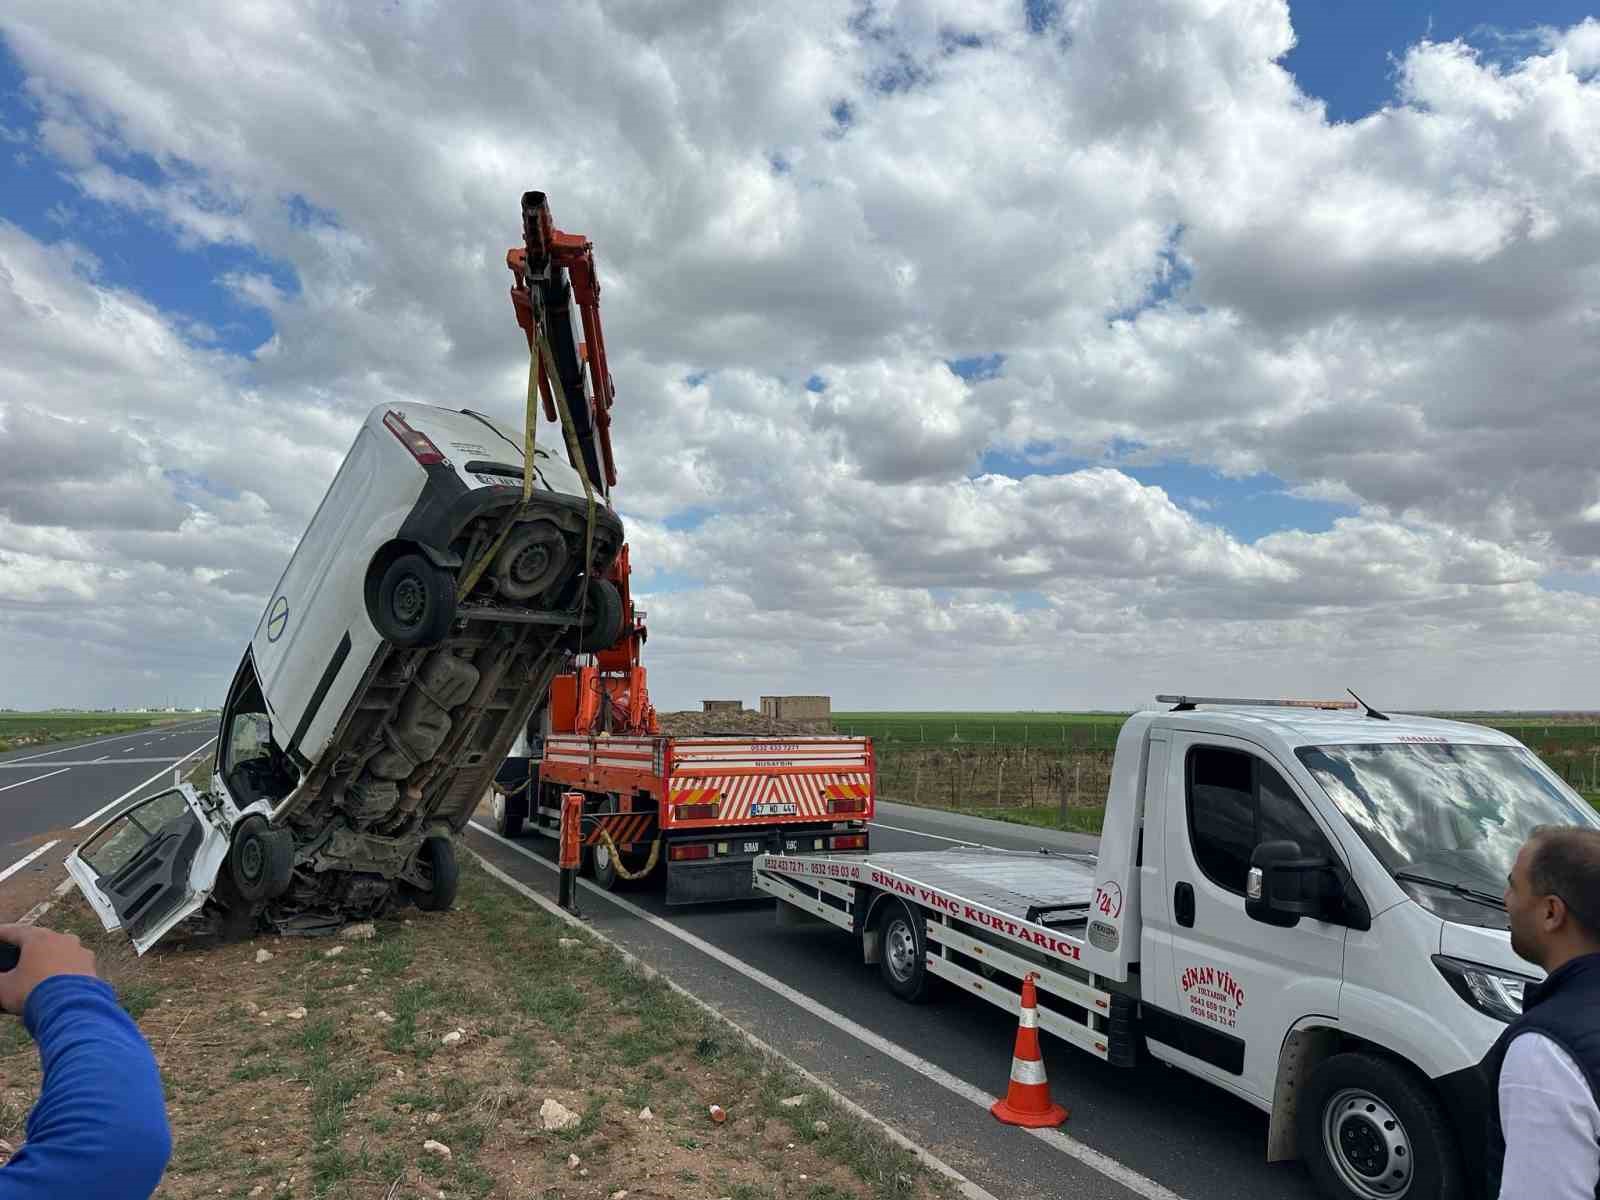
x: 999, y: 780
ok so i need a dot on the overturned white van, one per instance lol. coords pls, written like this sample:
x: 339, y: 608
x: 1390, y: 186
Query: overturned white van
x: 375, y: 699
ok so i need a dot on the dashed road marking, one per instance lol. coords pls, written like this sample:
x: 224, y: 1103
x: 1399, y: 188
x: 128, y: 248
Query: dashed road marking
x: 35, y: 779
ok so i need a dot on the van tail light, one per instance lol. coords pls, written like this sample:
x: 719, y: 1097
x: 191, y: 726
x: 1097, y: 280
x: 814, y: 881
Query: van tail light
x: 848, y: 841
x: 853, y: 804
x: 683, y: 853
x: 422, y: 449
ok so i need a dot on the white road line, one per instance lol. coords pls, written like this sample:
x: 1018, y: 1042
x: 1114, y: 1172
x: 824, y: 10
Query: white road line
x: 1118, y: 1172
x: 83, y: 762
x: 131, y: 791
x: 964, y: 1186
x: 22, y: 862
x: 35, y: 779
x: 936, y: 837
x: 121, y: 737
x: 130, y: 749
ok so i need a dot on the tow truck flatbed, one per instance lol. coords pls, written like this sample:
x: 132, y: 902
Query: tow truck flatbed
x: 977, y: 917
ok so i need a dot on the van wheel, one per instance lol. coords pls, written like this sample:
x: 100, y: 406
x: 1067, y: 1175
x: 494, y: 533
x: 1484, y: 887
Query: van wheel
x: 903, y: 942
x: 1370, y: 1129
x: 436, y: 862
x: 510, y: 812
x: 415, y: 603
x: 261, y: 859
x: 602, y: 618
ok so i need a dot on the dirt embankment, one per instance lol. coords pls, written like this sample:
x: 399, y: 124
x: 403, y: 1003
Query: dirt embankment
x: 746, y: 723
x: 414, y: 1062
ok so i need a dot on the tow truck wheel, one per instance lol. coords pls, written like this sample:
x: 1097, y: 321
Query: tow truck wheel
x: 1369, y: 1129
x: 903, y: 944
x: 509, y: 812
x: 605, y: 867
x: 261, y: 859
x: 436, y: 862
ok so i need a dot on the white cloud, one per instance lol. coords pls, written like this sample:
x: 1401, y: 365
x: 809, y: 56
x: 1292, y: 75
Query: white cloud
x: 1395, y: 314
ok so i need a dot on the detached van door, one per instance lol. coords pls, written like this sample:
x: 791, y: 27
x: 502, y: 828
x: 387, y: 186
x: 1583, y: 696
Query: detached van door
x: 150, y: 866
x: 1234, y: 986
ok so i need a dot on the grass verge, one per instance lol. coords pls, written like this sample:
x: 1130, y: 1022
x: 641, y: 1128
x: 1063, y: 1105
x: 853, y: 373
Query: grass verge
x: 322, y: 1071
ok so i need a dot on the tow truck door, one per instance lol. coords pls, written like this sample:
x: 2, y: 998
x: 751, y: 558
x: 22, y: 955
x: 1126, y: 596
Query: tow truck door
x: 1233, y: 987
x: 151, y: 865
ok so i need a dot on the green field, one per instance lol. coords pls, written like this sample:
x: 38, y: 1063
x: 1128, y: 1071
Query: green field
x: 1051, y: 768
x: 993, y: 728
x: 18, y: 729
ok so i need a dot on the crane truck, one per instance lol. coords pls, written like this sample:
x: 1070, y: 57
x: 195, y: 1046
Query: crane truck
x: 700, y: 808
x: 1296, y: 901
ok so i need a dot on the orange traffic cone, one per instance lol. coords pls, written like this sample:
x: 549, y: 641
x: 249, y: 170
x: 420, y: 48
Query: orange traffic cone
x: 1027, y: 1100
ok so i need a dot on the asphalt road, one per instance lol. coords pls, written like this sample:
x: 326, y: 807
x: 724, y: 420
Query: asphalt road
x: 46, y: 790
x: 928, y: 1070
x: 1150, y: 1132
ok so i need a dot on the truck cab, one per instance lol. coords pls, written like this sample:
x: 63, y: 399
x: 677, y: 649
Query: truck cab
x: 1300, y: 902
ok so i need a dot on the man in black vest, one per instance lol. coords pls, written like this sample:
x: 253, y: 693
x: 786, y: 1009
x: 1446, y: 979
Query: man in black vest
x: 1544, y: 1131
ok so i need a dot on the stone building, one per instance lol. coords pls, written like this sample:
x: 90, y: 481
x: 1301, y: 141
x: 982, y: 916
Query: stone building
x: 797, y: 708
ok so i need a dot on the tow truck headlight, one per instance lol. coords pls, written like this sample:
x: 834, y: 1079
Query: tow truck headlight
x: 1493, y: 992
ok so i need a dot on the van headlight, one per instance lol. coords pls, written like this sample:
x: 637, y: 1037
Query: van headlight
x: 1492, y: 992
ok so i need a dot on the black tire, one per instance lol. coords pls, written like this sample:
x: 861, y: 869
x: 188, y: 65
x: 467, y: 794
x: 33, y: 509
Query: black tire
x: 260, y: 860
x: 531, y: 561
x: 415, y: 602
x: 510, y: 812
x: 602, y: 618
x: 903, y: 951
x: 604, y: 867
x: 1365, y: 1123
x: 437, y: 860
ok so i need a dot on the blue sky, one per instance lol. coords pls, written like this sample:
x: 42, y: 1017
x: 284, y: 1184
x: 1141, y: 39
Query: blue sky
x: 139, y: 254
x: 1345, y: 56
x: 1345, y: 46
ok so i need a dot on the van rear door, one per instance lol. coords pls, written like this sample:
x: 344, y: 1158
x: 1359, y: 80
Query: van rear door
x: 151, y: 865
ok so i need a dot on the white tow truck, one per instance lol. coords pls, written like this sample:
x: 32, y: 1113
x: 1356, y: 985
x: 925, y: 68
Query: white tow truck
x: 1299, y: 901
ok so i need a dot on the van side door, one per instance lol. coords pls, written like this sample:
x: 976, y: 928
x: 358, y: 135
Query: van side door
x: 1234, y: 986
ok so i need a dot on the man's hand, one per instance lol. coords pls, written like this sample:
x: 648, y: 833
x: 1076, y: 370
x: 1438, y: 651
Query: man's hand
x: 44, y: 953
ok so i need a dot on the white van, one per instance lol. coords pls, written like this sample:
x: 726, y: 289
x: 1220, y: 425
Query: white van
x: 1296, y: 901
x: 373, y: 706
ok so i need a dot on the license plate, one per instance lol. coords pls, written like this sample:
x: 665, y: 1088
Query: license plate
x: 774, y: 809
x: 752, y: 847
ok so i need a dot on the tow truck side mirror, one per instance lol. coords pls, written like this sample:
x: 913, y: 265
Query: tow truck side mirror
x: 1284, y: 885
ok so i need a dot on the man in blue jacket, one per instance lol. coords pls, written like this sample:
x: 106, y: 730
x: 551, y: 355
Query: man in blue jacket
x: 99, y: 1130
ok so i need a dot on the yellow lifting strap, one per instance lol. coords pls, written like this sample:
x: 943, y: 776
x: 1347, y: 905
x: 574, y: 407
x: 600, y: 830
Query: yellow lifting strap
x: 530, y: 424
x: 616, y: 857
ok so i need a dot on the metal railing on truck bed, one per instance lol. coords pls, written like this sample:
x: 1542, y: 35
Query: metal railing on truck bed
x: 987, y: 917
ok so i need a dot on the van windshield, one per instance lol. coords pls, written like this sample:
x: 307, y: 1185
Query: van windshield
x: 1451, y: 813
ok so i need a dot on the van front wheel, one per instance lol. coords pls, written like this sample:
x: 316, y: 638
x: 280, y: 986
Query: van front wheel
x: 415, y: 604
x: 1371, y: 1129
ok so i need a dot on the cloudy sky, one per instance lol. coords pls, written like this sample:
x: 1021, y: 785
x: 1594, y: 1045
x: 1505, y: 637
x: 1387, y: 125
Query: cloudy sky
x: 969, y: 354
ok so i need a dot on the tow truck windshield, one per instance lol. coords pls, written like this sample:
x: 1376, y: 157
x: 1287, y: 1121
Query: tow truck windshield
x: 1446, y: 820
